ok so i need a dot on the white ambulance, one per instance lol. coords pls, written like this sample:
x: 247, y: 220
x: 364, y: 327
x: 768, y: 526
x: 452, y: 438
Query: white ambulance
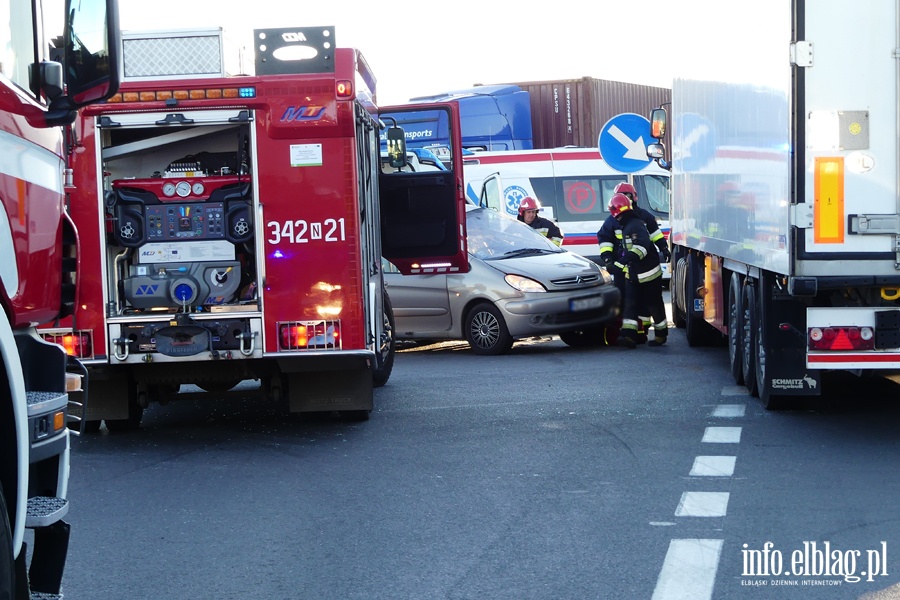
x: 573, y: 185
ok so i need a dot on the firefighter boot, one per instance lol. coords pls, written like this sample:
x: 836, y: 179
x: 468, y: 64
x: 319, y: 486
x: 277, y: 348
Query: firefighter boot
x: 660, y: 333
x: 627, y: 338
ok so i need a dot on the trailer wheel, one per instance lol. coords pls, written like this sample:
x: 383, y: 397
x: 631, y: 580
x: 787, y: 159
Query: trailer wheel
x: 677, y: 292
x: 486, y: 331
x: 7, y: 562
x: 387, y: 345
x: 749, y: 345
x: 735, y: 326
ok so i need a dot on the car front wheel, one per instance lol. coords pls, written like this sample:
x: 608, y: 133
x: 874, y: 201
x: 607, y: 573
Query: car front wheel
x: 486, y: 330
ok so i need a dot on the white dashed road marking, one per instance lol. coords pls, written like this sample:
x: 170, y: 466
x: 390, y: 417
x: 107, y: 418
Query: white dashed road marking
x: 689, y: 571
x: 702, y: 504
x: 713, y: 466
x: 722, y: 435
x: 729, y: 411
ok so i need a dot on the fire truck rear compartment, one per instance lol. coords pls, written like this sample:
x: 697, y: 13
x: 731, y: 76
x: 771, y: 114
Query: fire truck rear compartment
x: 182, y: 264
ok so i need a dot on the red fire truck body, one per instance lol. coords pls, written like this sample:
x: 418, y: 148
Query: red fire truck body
x: 232, y: 230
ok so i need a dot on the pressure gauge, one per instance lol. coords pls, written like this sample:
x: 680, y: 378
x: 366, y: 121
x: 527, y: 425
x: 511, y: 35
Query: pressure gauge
x: 183, y: 189
x: 169, y: 189
x: 198, y: 189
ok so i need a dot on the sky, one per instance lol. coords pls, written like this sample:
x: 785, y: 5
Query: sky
x: 457, y: 44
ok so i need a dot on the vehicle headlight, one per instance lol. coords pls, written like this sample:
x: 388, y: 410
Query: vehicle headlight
x: 607, y: 278
x: 524, y: 284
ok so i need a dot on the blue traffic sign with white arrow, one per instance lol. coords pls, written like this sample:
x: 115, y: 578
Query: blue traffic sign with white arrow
x: 623, y: 142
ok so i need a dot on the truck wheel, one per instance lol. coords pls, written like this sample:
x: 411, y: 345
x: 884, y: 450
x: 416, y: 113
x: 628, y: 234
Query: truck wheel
x: 7, y: 562
x: 749, y: 346
x: 735, y: 326
x: 486, y: 331
x: 387, y: 345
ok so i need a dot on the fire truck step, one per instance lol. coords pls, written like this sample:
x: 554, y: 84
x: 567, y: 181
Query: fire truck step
x: 45, y: 596
x: 45, y: 510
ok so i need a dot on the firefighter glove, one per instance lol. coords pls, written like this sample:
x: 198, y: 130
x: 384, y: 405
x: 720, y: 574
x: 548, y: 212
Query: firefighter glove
x: 664, y: 254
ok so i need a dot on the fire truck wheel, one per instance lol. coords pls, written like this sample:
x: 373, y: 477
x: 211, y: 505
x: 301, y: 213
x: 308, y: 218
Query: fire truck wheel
x: 91, y: 426
x: 217, y: 387
x: 384, y: 357
x: 7, y: 563
x: 486, y: 330
x: 735, y: 327
x: 354, y: 415
x: 748, y: 337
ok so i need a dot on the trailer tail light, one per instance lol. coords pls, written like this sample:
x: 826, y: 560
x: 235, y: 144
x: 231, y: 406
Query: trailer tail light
x: 310, y: 335
x: 79, y: 344
x: 841, y: 338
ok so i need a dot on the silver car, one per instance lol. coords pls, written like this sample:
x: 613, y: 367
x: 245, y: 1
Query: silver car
x: 519, y: 285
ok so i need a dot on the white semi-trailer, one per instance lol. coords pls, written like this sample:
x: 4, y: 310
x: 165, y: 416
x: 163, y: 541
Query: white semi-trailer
x: 785, y: 213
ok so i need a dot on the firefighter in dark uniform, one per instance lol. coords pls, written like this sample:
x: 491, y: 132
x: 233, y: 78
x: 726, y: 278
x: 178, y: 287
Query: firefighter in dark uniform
x: 610, y: 239
x: 528, y: 214
x: 643, y: 275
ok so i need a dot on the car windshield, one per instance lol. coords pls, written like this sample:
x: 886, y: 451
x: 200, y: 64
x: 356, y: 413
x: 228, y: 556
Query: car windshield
x: 492, y: 236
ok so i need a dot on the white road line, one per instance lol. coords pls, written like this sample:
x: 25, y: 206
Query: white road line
x: 702, y: 504
x: 722, y: 435
x: 689, y: 570
x: 729, y: 411
x: 713, y: 466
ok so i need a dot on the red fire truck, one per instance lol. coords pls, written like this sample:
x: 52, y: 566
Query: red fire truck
x: 233, y: 227
x: 38, y: 274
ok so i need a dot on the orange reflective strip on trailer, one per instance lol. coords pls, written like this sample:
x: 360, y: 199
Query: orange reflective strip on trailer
x: 828, y: 209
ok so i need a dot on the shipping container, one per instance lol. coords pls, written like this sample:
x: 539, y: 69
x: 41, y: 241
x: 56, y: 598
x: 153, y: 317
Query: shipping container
x: 571, y: 112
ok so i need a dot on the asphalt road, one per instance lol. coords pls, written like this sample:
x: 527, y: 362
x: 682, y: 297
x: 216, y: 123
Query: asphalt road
x: 550, y: 473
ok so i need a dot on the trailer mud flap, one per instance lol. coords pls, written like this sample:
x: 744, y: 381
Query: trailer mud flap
x: 788, y: 375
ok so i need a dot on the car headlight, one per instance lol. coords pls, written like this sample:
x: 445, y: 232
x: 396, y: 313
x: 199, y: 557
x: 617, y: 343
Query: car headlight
x: 607, y: 278
x: 524, y: 284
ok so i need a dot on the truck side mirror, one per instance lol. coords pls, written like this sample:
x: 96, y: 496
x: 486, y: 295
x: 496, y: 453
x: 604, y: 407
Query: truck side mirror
x: 396, y: 147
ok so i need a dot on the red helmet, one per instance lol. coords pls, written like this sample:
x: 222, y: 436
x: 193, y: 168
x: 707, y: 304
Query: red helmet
x: 627, y: 189
x: 528, y: 203
x: 618, y: 204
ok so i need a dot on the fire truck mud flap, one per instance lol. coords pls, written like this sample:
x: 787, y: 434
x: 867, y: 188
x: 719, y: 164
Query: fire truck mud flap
x: 346, y: 390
